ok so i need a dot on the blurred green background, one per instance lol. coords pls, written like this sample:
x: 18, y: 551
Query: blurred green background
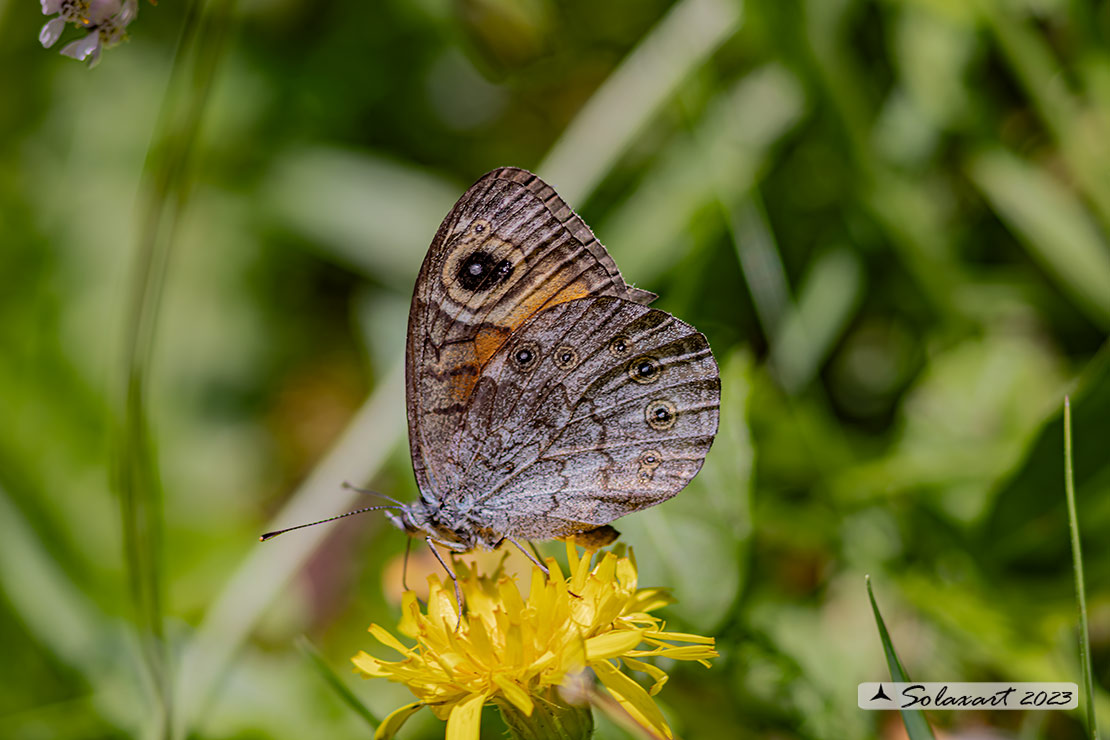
x: 890, y: 218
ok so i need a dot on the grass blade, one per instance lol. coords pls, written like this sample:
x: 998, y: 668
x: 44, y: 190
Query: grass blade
x: 335, y: 682
x: 1080, y: 589
x: 602, y: 131
x: 916, y: 725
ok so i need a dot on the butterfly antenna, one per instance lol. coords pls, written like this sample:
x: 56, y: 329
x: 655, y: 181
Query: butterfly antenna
x: 271, y: 535
x: 368, y: 492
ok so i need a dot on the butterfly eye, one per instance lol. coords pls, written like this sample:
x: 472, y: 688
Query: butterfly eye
x: 660, y: 414
x: 620, y: 346
x: 566, y: 358
x: 645, y: 369
x: 524, y: 357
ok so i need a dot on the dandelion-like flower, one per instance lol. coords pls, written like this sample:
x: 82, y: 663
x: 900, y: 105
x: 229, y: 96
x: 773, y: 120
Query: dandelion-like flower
x: 530, y: 656
x: 105, y: 20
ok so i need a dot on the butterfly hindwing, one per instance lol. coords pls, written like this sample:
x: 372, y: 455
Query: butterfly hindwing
x: 593, y: 409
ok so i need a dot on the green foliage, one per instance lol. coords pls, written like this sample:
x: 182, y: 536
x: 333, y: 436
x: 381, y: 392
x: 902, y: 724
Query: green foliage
x: 889, y: 218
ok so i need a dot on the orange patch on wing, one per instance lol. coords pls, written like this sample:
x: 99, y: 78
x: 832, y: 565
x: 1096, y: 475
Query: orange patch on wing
x: 461, y: 386
x: 546, y: 298
x: 488, y: 340
x: 458, y: 371
x: 491, y: 336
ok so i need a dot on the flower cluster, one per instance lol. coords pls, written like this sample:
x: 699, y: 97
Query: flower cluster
x: 524, y: 653
x: 105, y: 21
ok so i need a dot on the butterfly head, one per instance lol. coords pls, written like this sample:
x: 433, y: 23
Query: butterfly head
x: 444, y: 525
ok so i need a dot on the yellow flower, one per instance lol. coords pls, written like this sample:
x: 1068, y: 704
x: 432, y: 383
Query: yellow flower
x: 518, y: 653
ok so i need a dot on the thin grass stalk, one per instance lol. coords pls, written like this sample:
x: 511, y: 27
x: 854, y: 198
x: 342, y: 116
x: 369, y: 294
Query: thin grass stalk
x: 1080, y: 588
x: 164, y: 196
x: 336, y: 683
x: 917, y: 727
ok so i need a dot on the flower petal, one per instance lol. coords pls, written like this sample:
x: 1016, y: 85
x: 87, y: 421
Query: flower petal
x: 50, y: 7
x: 82, y: 48
x: 612, y: 644
x: 654, y: 671
x: 465, y: 721
x: 101, y: 9
x: 127, y: 13
x: 632, y: 697
x: 382, y: 635
x: 51, y: 32
x: 391, y: 724
x: 514, y: 693
x: 680, y: 637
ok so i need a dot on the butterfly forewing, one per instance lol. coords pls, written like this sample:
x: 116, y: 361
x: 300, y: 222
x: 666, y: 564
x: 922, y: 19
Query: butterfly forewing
x: 593, y: 409
x: 509, y: 249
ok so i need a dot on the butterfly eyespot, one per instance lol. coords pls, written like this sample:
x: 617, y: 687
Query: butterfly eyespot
x: 649, y: 460
x: 526, y: 355
x: 620, y: 346
x: 482, y: 271
x: 660, y: 414
x: 479, y: 228
x: 565, y: 357
x: 645, y: 369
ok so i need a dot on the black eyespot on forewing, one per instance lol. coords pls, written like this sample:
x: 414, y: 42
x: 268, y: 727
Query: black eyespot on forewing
x: 482, y: 271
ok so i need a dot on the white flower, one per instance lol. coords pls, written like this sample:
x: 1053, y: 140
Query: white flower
x: 105, y: 20
x: 52, y: 31
x: 88, y: 47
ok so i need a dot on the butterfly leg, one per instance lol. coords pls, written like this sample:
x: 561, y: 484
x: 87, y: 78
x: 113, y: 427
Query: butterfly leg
x: 535, y: 550
x: 534, y: 558
x: 454, y: 578
x: 405, y: 565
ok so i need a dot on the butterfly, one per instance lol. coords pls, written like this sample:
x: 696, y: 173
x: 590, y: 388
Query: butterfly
x: 545, y: 398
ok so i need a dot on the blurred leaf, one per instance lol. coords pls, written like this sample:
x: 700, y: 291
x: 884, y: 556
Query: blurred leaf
x: 721, y: 159
x: 916, y: 726
x: 760, y: 259
x: 696, y: 543
x: 606, y: 126
x: 508, y: 32
x: 365, y: 212
x: 827, y: 300
x: 1053, y: 226
x: 962, y: 425
x: 1027, y: 525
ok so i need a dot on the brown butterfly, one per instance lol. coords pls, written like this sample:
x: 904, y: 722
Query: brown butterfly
x: 545, y: 399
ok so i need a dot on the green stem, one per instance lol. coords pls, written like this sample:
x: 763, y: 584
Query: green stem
x: 1080, y: 589
x: 551, y: 719
x: 164, y: 197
